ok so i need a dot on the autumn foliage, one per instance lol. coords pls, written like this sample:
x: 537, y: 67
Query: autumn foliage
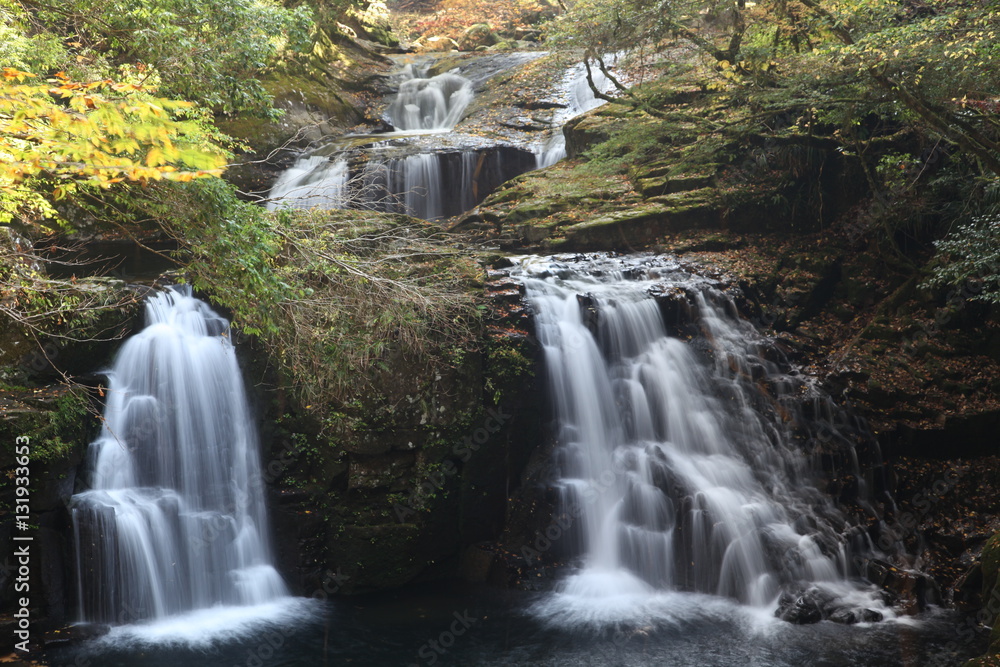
x: 58, y: 135
x: 451, y: 18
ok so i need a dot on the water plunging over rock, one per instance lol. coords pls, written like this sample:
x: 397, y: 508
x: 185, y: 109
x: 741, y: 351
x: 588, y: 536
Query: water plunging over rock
x: 174, y: 520
x: 688, y: 464
x: 385, y: 177
x: 424, y: 168
x: 580, y: 99
x: 436, y: 103
x: 314, y: 181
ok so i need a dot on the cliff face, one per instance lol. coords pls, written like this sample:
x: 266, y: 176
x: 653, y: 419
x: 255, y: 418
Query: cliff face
x: 398, y: 484
x: 49, y: 407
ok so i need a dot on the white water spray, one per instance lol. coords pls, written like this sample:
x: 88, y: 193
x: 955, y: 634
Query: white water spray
x: 314, y: 181
x: 434, y: 104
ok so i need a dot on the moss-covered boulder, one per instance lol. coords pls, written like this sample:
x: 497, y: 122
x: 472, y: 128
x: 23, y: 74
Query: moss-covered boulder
x: 373, y: 21
x: 434, y: 44
x: 478, y: 36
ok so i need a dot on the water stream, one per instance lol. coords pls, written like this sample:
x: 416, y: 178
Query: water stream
x: 433, y: 104
x: 685, y: 442
x: 690, y: 458
x: 684, y: 454
x: 579, y: 98
x: 174, y: 521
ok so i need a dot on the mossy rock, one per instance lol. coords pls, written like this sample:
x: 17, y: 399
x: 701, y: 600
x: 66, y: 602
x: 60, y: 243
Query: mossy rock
x: 536, y: 209
x: 653, y: 186
x: 588, y: 130
x: 435, y: 44
x: 373, y: 23
x: 619, y: 230
x: 477, y: 36
x: 377, y: 557
x: 315, y: 94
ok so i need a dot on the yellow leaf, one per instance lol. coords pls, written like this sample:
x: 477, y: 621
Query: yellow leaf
x: 154, y: 157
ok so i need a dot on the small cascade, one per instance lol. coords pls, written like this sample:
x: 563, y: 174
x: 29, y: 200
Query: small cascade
x: 413, y: 169
x: 314, y: 181
x: 687, y: 463
x: 434, y: 104
x: 580, y: 99
x: 429, y: 185
x: 174, y: 520
x: 424, y: 168
x: 415, y: 186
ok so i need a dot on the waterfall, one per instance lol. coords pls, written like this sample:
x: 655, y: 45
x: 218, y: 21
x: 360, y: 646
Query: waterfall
x: 314, y: 181
x: 424, y: 168
x: 428, y: 185
x: 414, y: 183
x: 580, y: 99
x: 685, y: 462
x: 425, y: 104
x: 174, y: 520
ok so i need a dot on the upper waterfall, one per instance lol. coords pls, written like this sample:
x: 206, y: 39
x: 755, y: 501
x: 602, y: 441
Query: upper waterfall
x: 435, y: 103
x: 580, y: 98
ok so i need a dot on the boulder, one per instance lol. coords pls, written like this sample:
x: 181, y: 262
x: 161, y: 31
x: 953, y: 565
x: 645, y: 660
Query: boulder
x: 435, y: 44
x: 479, y: 35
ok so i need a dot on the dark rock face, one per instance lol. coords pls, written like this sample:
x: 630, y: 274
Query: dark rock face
x: 393, y: 495
x: 52, y: 563
x: 914, y: 590
x: 56, y: 423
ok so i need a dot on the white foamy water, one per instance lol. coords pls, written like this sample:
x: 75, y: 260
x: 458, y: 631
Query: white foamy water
x: 682, y: 466
x: 435, y: 103
x: 217, y: 626
x: 175, y: 520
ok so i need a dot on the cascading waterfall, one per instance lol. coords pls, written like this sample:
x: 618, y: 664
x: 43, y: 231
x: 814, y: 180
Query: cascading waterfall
x: 581, y: 99
x: 683, y: 467
x: 314, y: 181
x: 429, y: 104
x: 412, y: 184
x: 174, y: 520
x: 423, y: 168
